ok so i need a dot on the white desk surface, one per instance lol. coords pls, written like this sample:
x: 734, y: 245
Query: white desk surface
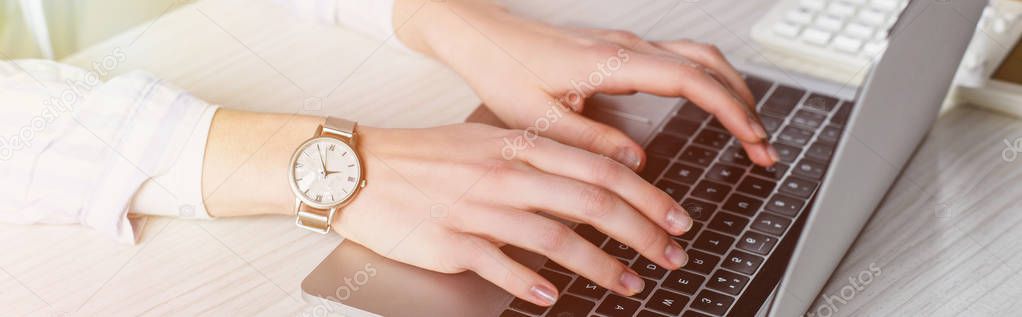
x: 945, y: 238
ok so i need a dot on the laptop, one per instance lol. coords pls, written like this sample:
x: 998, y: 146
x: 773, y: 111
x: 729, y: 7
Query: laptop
x: 766, y: 239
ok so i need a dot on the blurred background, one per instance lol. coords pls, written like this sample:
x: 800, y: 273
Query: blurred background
x: 71, y: 25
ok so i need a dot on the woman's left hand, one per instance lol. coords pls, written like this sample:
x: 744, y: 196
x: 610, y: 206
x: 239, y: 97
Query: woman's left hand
x: 536, y: 76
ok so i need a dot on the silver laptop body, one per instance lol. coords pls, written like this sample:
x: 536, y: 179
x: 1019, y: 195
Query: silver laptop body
x: 894, y: 109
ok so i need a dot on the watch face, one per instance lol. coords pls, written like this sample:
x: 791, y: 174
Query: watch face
x: 325, y: 172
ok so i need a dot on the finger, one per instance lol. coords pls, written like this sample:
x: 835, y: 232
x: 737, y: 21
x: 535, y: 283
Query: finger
x: 576, y: 130
x: 582, y: 202
x: 571, y: 162
x: 669, y: 77
x: 711, y: 57
x: 490, y: 263
x: 557, y: 242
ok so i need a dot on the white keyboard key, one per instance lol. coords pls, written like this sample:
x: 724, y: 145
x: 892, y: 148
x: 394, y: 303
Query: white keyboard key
x: 813, y: 4
x: 829, y: 23
x: 787, y: 29
x: 873, y: 49
x: 872, y: 17
x: 886, y: 5
x: 841, y: 9
x: 799, y: 16
x: 859, y: 31
x: 816, y: 36
x: 847, y: 44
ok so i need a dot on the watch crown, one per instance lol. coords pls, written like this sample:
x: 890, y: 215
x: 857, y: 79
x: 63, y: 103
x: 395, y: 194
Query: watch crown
x: 362, y: 184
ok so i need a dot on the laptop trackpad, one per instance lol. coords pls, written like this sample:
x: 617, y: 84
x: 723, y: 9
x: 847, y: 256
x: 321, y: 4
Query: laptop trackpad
x: 359, y: 278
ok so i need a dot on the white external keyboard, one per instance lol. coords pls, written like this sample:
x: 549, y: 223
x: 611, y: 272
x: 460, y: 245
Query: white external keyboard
x: 833, y: 39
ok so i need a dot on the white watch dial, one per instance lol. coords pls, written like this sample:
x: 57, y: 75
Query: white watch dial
x: 326, y: 171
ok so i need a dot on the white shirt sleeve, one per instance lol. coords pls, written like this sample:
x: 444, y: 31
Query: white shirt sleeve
x: 75, y: 149
x: 371, y: 17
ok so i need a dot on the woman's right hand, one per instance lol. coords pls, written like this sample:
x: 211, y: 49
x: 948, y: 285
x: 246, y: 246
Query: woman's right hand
x: 446, y: 198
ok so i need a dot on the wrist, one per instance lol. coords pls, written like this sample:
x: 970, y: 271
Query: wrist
x: 437, y: 29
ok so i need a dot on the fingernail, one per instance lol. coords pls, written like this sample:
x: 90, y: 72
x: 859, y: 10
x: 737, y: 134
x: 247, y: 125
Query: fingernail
x: 633, y: 283
x: 757, y: 128
x: 628, y: 157
x: 543, y: 294
x: 678, y: 220
x: 676, y: 255
x: 773, y: 153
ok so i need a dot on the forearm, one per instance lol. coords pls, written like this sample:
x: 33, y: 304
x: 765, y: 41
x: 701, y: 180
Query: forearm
x: 245, y: 167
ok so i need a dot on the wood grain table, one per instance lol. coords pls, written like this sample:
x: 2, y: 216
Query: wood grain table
x: 944, y: 241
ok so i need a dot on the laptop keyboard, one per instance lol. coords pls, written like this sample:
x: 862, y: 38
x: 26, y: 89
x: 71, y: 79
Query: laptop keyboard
x: 741, y: 211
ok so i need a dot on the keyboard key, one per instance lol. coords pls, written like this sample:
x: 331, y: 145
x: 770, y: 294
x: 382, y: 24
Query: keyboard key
x: 847, y: 44
x: 691, y: 233
x: 743, y: 204
x: 787, y: 29
x: 647, y: 288
x: 712, y: 302
x: 817, y: 36
x: 843, y: 112
x: 794, y: 136
x: 736, y: 155
x: 828, y: 23
x: 783, y: 100
x: 785, y: 205
x: 798, y: 187
x: 711, y: 191
x: 774, y: 172
x: 771, y: 224
x: 524, y: 306
x: 654, y: 166
x: 712, y: 139
x: 511, y: 313
x: 684, y: 282
x: 756, y: 186
x: 858, y: 31
x: 699, y: 210
x: 742, y: 262
x: 586, y: 288
x: 647, y: 268
x: 809, y: 169
x: 728, y: 223
x: 725, y: 173
x: 646, y: 313
x: 701, y: 262
x: 830, y: 134
x: 714, y: 242
x: 676, y: 190
x: 758, y: 86
x: 820, y: 151
x: 727, y: 282
x: 787, y: 153
x: 820, y: 103
x: 666, y: 145
x: 559, y: 280
x: 691, y: 112
x: 684, y: 173
x: 770, y: 123
x: 591, y: 234
x: 698, y: 156
x: 681, y: 127
x: 756, y: 243
x: 571, y: 306
x: 692, y: 313
x: 808, y: 119
x: 619, y: 249
x: 617, y: 306
x: 667, y: 302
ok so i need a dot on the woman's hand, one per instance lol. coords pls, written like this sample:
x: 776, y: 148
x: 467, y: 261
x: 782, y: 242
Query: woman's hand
x: 522, y: 69
x: 445, y: 199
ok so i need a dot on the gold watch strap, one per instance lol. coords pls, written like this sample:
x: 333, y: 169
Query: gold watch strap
x: 320, y: 220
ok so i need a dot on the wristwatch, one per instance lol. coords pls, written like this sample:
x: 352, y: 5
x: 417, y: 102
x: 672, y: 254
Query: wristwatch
x: 325, y: 174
